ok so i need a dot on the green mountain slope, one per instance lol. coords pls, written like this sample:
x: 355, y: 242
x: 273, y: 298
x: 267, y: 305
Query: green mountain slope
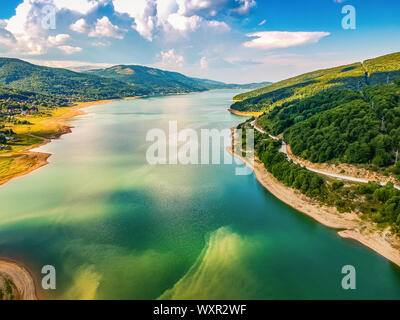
x: 77, y: 86
x: 342, y: 125
x: 114, y: 82
x: 353, y: 76
x: 363, y: 128
x: 155, y: 81
x: 152, y: 81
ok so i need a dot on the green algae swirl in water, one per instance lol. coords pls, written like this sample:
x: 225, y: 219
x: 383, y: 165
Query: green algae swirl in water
x: 115, y: 227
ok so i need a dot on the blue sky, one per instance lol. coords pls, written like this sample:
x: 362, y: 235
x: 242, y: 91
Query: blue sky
x: 229, y: 40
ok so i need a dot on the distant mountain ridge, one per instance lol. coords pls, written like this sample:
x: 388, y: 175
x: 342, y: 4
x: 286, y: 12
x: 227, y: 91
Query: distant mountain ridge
x: 25, y: 76
x: 110, y: 83
x: 156, y: 81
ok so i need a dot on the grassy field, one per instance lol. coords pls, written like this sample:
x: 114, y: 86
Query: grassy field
x: 18, y: 160
x: 49, y: 123
x: 18, y: 164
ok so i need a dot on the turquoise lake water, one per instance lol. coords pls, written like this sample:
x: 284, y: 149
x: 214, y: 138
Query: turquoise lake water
x: 116, y: 227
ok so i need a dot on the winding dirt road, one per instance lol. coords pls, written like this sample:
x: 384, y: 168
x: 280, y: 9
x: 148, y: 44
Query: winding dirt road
x: 332, y: 175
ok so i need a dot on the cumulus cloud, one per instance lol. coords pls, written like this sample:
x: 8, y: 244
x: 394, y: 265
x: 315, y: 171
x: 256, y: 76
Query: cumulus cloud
x: 204, y: 63
x: 169, y: 59
x: 79, y: 6
x: 282, y: 39
x: 142, y: 11
x: 58, y: 39
x: 80, y: 26
x: 24, y: 33
x: 182, y: 23
x: 244, y: 6
x: 70, y: 49
x: 176, y: 15
x: 104, y: 28
x: 7, y: 40
x: 218, y: 25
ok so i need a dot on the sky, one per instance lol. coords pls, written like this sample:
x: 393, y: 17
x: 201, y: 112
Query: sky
x: 236, y: 41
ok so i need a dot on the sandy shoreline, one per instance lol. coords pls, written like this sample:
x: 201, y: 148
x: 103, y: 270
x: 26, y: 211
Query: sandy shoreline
x: 37, y: 160
x: 22, y: 280
x: 350, y: 225
x: 20, y: 276
x: 245, y: 114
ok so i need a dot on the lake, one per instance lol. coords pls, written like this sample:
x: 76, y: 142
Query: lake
x: 115, y: 227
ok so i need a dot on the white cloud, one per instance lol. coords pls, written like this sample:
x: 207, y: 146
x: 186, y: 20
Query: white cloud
x: 171, y: 60
x: 70, y: 49
x: 24, y: 33
x: 80, y: 26
x: 282, y: 39
x: 188, y: 7
x: 142, y: 11
x: 104, y: 28
x: 220, y: 25
x: 80, y: 6
x: 7, y: 40
x: 204, y: 63
x: 26, y: 30
x: 262, y: 22
x: 58, y: 39
x: 100, y: 43
x: 245, y: 6
x: 173, y: 15
x: 182, y: 23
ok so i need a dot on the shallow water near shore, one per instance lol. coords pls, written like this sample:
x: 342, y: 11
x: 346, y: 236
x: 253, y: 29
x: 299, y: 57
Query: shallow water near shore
x: 117, y: 228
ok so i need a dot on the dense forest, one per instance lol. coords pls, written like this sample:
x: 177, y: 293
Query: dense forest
x: 75, y: 86
x: 380, y: 204
x: 362, y: 127
x: 11, y: 99
x: 290, y: 113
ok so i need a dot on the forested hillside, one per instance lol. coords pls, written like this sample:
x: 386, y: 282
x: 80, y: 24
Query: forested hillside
x: 112, y: 83
x: 153, y: 81
x: 11, y: 97
x: 75, y: 86
x: 150, y: 80
x: 354, y: 76
x: 378, y: 203
x: 363, y: 127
